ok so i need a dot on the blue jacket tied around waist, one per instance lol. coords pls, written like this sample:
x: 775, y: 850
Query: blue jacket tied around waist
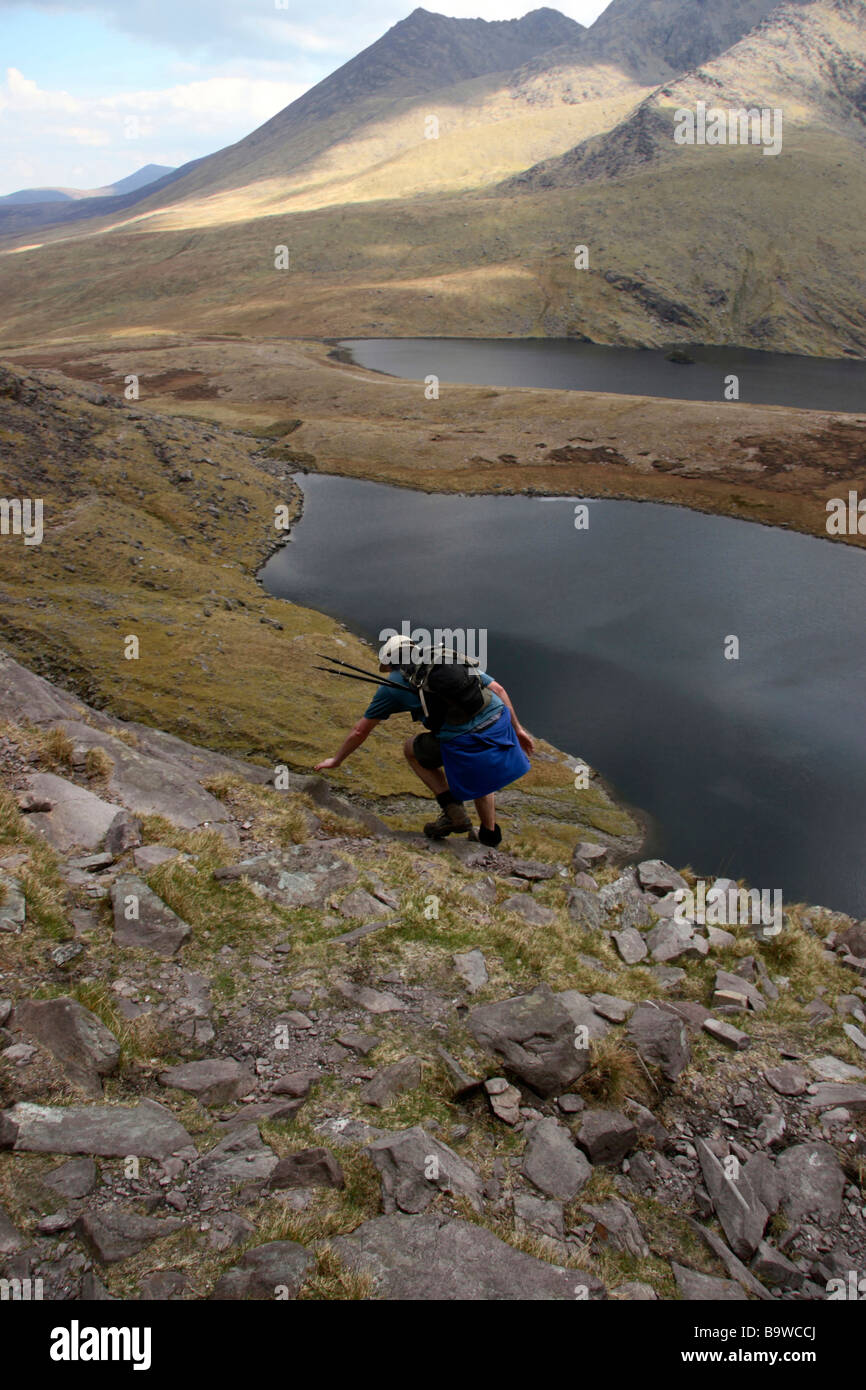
x: 478, y: 763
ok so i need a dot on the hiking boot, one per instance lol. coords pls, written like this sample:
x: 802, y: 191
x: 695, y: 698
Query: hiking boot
x: 453, y: 821
x: 491, y: 838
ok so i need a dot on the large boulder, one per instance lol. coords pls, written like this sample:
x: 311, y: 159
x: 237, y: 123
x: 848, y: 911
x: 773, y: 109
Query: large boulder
x: 146, y: 784
x: 241, y: 1156
x: 669, y: 940
x: 617, y: 1227
x: 143, y: 920
x: 606, y: 1136
x: 415, y: 1166
x: 740, y: 1210
x: 472, y: 969
x: 114, y: 1233
x: 656, y: 876
x: 273, y: 1271
x: 552, y: 1163
x: 585, y: 910
x: 431, y: 1259
x: 705, y: 1288
x: 583, y: 1013
x: 24, y: 695
x: 588, y: 855
x: 828, y: 1095
x: 660, y: 1038
x: 854, y: 940
x: 811, y: 1182
x: 630, y: 944
x: 308, y: 1168
x: 534, y: 1036
x: 77, y: 819
x: 80, y: 1041
x: 147, y: 1129
x: 215, y: 1081
x: 76, y: 1178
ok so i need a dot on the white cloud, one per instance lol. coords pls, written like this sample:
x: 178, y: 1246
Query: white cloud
x: 160, y: 126
x: 342, y: 27
x: 21, y: 95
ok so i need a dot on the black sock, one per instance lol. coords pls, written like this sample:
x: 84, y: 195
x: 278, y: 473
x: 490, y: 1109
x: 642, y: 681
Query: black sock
x: 446, y: 799
x: 489, y: 837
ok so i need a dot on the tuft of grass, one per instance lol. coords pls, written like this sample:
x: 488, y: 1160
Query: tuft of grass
x: 334, y: 1280
x: 141, y: 1039
x: 12, y: 829
x: 127, y: 736
x: 613, y: 1072
x: 44, y: 891
x: 231, y: 912
x: 54, y: 749
x: 98, y: 764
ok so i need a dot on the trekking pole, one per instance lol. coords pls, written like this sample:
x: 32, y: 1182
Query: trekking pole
x: 347, y: 675
x: 347, y: 664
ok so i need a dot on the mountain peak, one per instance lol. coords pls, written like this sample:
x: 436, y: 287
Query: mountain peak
x: 426, y: 51
x: 678, y: 33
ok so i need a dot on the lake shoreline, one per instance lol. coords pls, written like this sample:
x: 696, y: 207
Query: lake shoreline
x: 774, y: 465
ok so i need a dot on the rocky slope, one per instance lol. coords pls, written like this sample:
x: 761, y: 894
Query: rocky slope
x: 255, y: 1045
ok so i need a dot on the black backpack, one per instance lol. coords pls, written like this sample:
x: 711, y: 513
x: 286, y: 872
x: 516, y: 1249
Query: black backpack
x: 450, y: 689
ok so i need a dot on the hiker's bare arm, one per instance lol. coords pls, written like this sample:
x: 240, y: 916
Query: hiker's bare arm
x: 523, y: 738
x: 353, y: 740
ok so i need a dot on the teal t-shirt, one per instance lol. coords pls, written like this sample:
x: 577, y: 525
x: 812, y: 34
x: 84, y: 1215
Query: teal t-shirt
x: 396, y: 696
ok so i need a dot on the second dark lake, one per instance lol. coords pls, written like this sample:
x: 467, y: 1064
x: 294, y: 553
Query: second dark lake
x: 765, y: 378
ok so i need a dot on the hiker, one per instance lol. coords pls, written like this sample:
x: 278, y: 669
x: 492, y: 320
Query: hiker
x: 473, y: 746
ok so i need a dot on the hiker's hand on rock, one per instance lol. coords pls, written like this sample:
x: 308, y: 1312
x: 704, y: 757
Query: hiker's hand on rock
x: 326, y: 765
x: 526, y: 742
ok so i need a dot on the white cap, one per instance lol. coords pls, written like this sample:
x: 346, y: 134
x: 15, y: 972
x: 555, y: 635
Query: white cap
x: 397, y: 651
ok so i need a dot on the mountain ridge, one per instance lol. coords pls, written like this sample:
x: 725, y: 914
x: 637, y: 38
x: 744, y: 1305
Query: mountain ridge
x: 395, y: 233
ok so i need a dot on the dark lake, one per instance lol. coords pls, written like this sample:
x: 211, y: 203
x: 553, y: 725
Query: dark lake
x: 611, y: 644
x: 765, y: 378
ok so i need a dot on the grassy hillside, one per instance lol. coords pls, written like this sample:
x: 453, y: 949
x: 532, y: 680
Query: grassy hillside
x: 775, y: 266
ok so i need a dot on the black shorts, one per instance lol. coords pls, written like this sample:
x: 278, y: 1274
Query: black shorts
x: 427, y: 751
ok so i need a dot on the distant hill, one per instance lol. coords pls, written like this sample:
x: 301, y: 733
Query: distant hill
x: 148, y: 174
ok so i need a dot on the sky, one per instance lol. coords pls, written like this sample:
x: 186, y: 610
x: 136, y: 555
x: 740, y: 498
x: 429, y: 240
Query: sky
x: 91, y: 90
